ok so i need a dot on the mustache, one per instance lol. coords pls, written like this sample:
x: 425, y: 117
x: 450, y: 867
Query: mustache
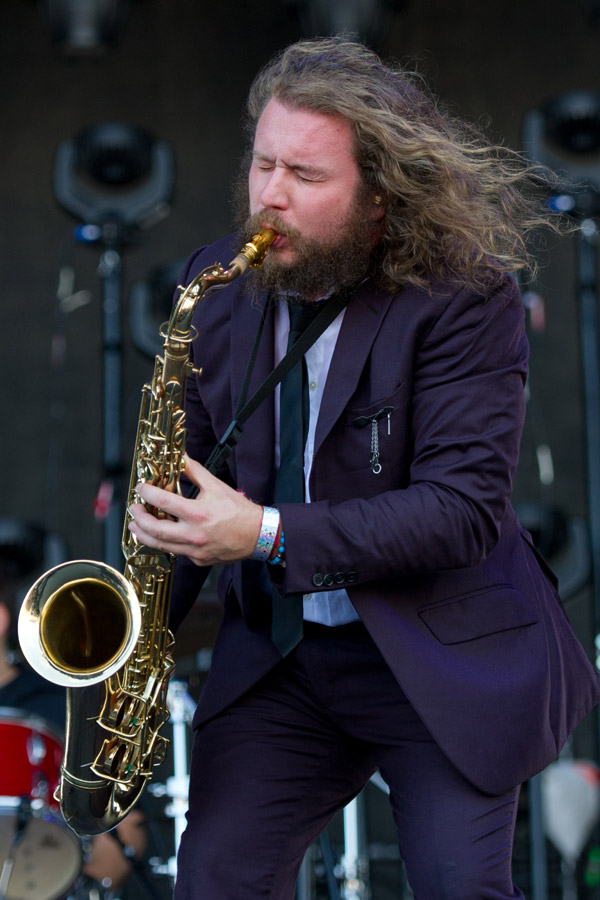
x: 271, y: 217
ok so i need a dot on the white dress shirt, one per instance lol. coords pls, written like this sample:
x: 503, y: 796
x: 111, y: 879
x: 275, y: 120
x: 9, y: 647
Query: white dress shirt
x: 326, y: 607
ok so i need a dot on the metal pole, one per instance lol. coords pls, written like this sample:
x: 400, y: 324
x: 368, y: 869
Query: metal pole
x: 355, y: 863
x: 182, y: 708
x: 588, y: 323
x: 109, y: 504
x: 537, y: 841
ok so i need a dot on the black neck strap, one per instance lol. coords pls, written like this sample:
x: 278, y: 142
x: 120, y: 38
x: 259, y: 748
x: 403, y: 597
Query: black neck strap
x: 331, y: 309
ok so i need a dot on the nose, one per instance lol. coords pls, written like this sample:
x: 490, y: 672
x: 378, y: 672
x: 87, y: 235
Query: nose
x: 274, y: 192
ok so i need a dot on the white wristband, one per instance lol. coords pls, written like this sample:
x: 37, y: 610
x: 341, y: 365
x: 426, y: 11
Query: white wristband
x: 268, y: 532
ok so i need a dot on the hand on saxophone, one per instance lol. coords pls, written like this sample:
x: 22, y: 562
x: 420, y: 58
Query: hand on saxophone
x: 219, y: 525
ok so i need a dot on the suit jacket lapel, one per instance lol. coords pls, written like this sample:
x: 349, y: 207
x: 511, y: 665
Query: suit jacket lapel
x: 254, y: 458
x: 362, y: 321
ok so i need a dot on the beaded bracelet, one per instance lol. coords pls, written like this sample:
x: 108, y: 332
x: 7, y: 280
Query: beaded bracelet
x: 269, y: 528
x: 279, y: 556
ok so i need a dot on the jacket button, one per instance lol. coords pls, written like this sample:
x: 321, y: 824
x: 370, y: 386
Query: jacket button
x: 328, y: 579
x: 339, y: 577
x: 352, y: 576
x: 317, y: 580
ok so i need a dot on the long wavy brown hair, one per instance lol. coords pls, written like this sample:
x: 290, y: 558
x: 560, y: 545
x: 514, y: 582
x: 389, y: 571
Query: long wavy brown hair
x: 459, y: 208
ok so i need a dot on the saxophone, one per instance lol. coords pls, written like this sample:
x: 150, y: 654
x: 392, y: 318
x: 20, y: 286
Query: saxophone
x: 104, y: 635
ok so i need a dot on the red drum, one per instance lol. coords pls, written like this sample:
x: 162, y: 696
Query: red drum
x: 40, y: 857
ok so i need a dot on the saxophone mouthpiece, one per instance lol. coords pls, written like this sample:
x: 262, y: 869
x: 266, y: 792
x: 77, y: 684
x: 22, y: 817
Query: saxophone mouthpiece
x: 253, y: 253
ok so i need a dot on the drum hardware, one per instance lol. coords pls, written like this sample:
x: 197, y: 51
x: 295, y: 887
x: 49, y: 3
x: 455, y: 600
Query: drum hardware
x: 36, y: 749
x: 40, y: 857
x: 87, y: 889
x: 6, y: 872
x: 21, y: 821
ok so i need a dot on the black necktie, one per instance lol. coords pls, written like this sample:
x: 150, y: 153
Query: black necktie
x: 293, y: 413
x: 286, y: 626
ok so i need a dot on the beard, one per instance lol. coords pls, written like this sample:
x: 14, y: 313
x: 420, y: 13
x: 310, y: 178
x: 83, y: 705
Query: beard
x: 320, y: 265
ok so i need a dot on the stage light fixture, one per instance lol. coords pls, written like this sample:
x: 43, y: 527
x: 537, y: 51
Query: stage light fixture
x: 368, y: 20
x: 564, y: 134
x: 114, y: 174
x: 83, y: 26
x: 592, y: 11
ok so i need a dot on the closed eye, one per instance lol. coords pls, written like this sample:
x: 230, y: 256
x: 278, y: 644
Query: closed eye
x: 303, y: 173
x: 308, y: 173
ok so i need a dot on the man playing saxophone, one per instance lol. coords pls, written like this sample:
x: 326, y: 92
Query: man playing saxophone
x: 383, y: 607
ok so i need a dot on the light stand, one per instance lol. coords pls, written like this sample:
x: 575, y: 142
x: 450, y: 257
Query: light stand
x: 564, y: 135
x: 116, y: 179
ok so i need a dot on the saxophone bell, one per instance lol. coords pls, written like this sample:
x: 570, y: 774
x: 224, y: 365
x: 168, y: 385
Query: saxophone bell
x: 79, y: 623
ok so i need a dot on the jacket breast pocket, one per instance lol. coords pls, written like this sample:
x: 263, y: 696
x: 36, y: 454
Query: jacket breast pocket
x: 373, y: 434
x: 388, y: 407
x: 490, y: 611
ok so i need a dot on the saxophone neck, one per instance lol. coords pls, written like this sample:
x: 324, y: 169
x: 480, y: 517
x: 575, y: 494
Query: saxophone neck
x: 214, y: 277
x: 179, y: 326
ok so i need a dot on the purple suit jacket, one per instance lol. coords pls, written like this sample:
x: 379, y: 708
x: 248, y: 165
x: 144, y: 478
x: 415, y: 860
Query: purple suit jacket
x: 430, y: 551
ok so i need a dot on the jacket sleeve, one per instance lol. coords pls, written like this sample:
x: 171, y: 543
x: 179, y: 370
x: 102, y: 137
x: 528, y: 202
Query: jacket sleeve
x: 465, y: 417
